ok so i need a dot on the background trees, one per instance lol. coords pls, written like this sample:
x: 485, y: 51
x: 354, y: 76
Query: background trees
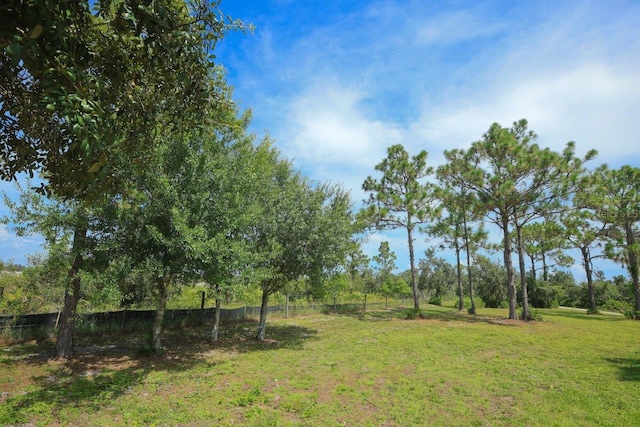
x: 515, y: 182
x: 400, y: 199
x: 615, y: 199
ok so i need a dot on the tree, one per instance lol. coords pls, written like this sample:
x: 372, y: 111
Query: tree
x: 84, y: 96
x: 72, y: 238
x: 489, y: 277
x: 615, y: 199
x: 400, y: 200
x: 582, y: 232
x: 357, y: 266
x: 436, y: 275
x: 386, y: 260
x: 515, y: 182
x: 456, y: 231
x: 79, y: 86
x: 304, y: 231
x: 545, y: 241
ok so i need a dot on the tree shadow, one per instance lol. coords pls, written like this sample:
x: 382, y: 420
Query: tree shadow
x: 584, y: 316
x: 433, y: 314
x: 629, y: 368
x: 108, y: 365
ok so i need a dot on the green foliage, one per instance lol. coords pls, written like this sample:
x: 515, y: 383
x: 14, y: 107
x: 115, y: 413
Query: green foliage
x: 411, y: 314
x: 435, y: 300
x: 16, y: 297
x: 400, y: 199
x: 514, y: 181
x: 75, y: 100
x: 543, y: 294
x: 614, y: 197
x: 489, y: 278
x: 467, y: 303
x: 436, y: 275
x: 534, y: 315
x: 395, y: 286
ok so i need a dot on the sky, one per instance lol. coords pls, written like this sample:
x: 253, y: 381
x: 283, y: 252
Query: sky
x: 335, y: 83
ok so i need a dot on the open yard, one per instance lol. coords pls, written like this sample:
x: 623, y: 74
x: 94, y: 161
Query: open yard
x: 373, y: 368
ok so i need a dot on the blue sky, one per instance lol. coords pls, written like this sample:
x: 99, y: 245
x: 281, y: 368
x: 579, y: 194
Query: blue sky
x: 335, y: 83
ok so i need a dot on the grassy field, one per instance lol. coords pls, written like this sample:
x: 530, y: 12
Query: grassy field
x: 327, y: 370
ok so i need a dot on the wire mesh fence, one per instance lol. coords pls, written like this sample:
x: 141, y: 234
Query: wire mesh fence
x: 20, y: 326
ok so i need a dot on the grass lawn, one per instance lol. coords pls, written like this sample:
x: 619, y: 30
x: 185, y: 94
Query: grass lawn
x: 373, y: 368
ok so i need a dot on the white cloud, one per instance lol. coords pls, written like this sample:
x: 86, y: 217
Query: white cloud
x: 329, y: 130
x: 4, y: 233
x: 455, y: 27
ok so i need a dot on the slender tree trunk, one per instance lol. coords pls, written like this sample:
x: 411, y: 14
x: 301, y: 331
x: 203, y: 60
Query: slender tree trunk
x: 459, y: 271
x: 545, y: 267
x: 472, y: 310
x: 632, y: 262
x: 66, y: 325
x: 523, y: 276
x: 156, y: 332
x: 216, y: 320
x: 414, y: 282
x: 263, y: 314
x: 586, y: 262
x: 508, y: 263
x: 533, y: 267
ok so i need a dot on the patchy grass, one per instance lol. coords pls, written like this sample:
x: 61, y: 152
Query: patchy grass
x: 374, y: 368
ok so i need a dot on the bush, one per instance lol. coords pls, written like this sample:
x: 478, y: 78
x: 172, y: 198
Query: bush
x: 436, y: 300
x: 467, y: 303
x: 534, y: 315
x: 544, y: 294
x: 630, y: 313
x: 411, y: 313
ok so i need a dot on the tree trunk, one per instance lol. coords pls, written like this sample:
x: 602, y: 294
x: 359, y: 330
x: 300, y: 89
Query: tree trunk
x: 545, y: 267
x: 66, y: 326
x: 586, y: 262
x: 508, y: 264
x: 472, y: 310
x: 532, y: 258
x: 459, y: 271
x: 156, y: 333
x: 263, y: 314
x: 414, y: 282
x: 632, y: 262
x: 523, y: 276
x: 216, y: 320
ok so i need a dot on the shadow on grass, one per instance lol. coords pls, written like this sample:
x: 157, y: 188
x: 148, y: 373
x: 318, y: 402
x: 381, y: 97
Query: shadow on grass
x: 108, y: 365
x: 629, y: 368
x: 583, y: 315
x: 435, y: 313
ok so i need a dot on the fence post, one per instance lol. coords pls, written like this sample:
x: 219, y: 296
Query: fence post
x: 365, y: 302
x: 202, y: 300
x: 286, y: 307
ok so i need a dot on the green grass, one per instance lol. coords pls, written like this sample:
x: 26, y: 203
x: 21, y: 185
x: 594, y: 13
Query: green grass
x: 351, y: 369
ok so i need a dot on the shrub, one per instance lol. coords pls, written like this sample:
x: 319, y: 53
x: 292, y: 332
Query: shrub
x: 467, y: 303
x: 630, y: 313
x: 411, y: 313
x: 436, y: 300
x: 534, y: 315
